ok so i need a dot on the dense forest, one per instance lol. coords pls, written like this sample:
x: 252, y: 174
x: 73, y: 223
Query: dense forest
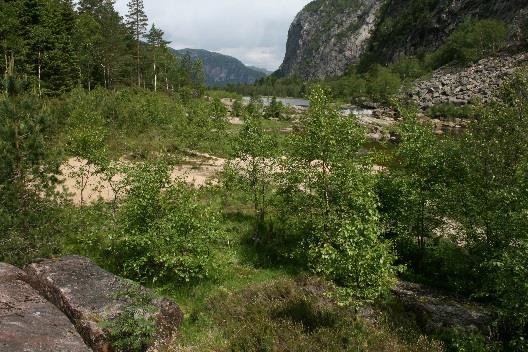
x: 56, y: 46
x: 297, y: 242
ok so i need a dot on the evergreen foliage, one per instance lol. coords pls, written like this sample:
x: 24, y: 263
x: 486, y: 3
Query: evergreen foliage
x: 136, y: 21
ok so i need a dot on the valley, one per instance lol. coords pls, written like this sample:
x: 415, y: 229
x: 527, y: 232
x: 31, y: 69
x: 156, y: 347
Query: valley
x: 371, y: 194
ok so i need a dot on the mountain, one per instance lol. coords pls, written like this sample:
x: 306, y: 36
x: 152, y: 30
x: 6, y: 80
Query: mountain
x: 221, y: 70
x: 260, y: 69
x: 328, y: 36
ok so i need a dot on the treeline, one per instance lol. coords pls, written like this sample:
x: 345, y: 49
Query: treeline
x: 57, y: 45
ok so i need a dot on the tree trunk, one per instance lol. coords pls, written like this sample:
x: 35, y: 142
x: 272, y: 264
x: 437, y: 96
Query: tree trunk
x: 155, y: 78
x: 39, y: 74
x: 104, y: 76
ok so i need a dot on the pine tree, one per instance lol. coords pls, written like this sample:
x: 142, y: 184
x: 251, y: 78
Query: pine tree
x: 102, y: 41
x: 137, y: 20
x: 157, y: 46
x: 11, y: 41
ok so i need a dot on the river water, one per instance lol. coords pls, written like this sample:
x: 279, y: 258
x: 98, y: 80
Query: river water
x: 304, y: 103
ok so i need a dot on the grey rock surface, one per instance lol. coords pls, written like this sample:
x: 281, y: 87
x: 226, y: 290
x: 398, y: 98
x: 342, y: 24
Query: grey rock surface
x: 435, y: 312
x: 479, y: 82
x: 29, y: 323
x: 87, y: 295
x: 325, y: 38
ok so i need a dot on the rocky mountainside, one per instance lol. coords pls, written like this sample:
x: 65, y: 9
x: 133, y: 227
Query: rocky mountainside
x: 221, y: 70
x: 461, y: 86
x: 327, y: 36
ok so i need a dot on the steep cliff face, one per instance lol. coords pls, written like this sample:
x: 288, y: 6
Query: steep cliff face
x: 327, y: 36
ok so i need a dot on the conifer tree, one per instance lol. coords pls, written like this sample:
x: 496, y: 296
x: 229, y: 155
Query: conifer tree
x: 157, y: 46
x: 102, y: 41
x: 137, y: 20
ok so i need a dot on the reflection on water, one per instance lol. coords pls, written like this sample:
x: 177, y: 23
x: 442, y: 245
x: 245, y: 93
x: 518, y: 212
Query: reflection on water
x: 286, y: 101
x: 304, y: 103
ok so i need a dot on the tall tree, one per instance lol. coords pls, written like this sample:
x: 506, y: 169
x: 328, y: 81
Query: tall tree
x: 11, y: 40
x: 137, y: 20
x: 329, y: 205
x: 157, y: 47
x: 102, y: 43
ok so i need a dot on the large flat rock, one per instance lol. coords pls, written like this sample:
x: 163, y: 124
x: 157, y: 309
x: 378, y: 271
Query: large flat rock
x: 436, y: 312
x: 29, y: 323
x: 88, y: 295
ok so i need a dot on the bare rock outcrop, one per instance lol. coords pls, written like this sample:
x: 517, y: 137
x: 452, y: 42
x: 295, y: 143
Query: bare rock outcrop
x: 327, y: 37
x: 28, y: 322
x: 436, y: 312
x: 480, y: 81
x: 88, y: 295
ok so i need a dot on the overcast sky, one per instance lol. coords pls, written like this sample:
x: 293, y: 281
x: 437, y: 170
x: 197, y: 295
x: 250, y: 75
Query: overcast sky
x: 253, y: 31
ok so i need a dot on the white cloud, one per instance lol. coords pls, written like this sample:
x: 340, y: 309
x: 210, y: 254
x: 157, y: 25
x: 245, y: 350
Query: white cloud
x: 253, y: 31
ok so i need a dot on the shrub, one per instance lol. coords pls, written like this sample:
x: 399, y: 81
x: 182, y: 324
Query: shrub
x: 238, y: 108
x: 450, y: 110
x: 382, y: 83
x: 134, y: 328
x: 328, y: 202
x: 165, y: 232
x: 461, y: 341
x: 408, y: 68
x: 275, y: 110
x: 30, y: 224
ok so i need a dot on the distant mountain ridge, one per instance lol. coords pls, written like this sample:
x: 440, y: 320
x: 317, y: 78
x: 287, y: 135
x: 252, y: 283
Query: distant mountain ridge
x: 221, y: 70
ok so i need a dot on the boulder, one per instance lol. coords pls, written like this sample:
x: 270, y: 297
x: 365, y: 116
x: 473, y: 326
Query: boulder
x: 436, y: 312
x: 29, y: 323
x: 88, y: 295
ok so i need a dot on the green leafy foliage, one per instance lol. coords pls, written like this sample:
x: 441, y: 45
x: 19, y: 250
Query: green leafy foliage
x: 134, y: 328
x: 449, y: 110
x: 275, y: 110
x: 31, y: 224
x: 253, y: 167
x: 164, y: 232
x: 330, y: 203
x: 238, y: 108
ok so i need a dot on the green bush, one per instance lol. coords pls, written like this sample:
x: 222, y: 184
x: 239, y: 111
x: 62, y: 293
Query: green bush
x: 408, y: 68
x: 450, y: 110
x: 334, y: 213
x: 134, y: 328
x: 238, y: 108
x: 164, y: 232
x: 275, y: 110
x: 31, y: 225
x: 461, y: 341
x: 382, y: 83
